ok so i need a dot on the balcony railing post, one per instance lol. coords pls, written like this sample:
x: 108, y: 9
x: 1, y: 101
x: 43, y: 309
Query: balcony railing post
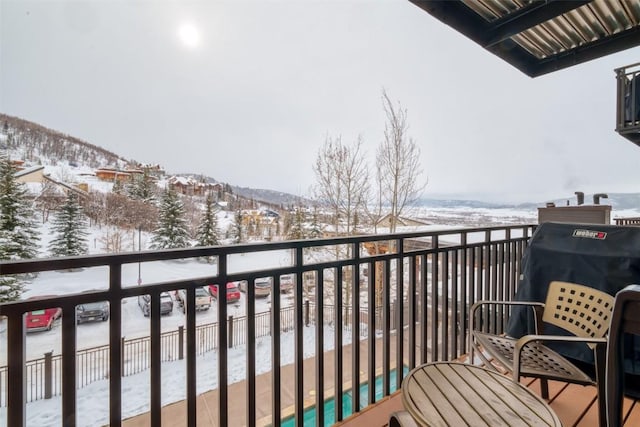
x: 180, y: 342
x: 306, y: 313
x: 48, y: 374
x: 230, y: 335
x: 122, y: 342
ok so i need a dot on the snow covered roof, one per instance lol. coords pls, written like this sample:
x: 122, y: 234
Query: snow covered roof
x: 28, y: 171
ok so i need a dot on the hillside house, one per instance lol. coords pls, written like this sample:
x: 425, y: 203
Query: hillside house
x: 32, y: 174
x: 193, y: 187
x: 112, y: 175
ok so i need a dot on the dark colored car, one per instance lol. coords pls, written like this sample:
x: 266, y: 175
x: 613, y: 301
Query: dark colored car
x: 92, y: 311
x: 41, y: 320
x: 166, y: 303
x: 233, y: 293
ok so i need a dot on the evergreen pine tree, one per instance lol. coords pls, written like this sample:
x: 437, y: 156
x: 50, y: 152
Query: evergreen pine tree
x: 10, y: 287
x: 315, y: 231
x: 142, y: 187
x: 69, y: 226
x: 18, y: 235
x: 296, y: 230
x: 171, y: 231
x: 118, y: 187
x: 17, y: 216
x: 207, y: 233
x: 237, y: 228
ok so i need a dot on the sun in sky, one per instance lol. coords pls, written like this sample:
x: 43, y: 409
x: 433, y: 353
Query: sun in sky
x: 189, y: 35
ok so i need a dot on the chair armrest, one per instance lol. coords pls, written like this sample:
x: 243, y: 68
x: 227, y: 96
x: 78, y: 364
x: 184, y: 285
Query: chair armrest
x: 536, y: 307
x: 522, y: 342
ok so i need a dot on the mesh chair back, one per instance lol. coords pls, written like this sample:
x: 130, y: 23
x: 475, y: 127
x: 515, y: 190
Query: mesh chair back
x: 581, y: 310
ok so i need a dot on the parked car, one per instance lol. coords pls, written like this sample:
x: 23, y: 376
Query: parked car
x: 203, y: 299
x: 166, y: 303
x: 233, y: 293
x: 92, y: 311
x: 41, y: 320
x: 262, y: 286
x: 287, y: 283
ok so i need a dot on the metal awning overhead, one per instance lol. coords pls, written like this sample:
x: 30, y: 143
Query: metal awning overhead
x: 542, y: 36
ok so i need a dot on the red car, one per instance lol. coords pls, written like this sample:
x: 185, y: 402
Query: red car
x: 233, y: 293
x: 41, y: 320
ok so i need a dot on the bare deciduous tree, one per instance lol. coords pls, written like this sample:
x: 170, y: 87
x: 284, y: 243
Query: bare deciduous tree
x: 341, y: 182
x: 342, y: 186
x: 115, y: 240
x: 398, y: 163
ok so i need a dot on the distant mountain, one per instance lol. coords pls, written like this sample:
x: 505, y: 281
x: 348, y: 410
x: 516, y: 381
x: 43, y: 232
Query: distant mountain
x: 454, y: 203
x: 36, y: 144
x: 618, y: 201
x: 270, y: 196
x: 32, y: 142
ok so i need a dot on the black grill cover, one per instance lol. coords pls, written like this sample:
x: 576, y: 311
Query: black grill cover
x: 605, y: 257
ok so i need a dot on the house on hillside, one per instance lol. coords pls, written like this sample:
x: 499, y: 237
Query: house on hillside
x: 32, y: 174
x: 38, y: 183
x: 112, y: 175
x: 193, y: 187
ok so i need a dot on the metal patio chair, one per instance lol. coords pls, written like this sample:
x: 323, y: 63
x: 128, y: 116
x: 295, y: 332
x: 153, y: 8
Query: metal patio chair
x: 621, y: 347
x: 580, y: 310
x: 622, y: 352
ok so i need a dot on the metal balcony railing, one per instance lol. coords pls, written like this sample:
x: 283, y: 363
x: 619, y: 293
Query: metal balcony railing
x: 420, y: 284
x: 628, y: 102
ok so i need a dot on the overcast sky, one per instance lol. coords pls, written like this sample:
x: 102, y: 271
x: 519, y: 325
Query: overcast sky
x: 247, y: 91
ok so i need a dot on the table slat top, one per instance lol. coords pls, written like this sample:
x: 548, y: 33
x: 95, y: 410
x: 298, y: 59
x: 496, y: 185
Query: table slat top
x: 456, y: 394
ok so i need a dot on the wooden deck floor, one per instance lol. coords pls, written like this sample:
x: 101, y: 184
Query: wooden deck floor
x: 575, y: 405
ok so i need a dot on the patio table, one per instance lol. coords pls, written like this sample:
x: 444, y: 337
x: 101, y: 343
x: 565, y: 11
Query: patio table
x: 457, y: 394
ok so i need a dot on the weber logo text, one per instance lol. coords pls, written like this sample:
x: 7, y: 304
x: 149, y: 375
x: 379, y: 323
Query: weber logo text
x: 590, y: 234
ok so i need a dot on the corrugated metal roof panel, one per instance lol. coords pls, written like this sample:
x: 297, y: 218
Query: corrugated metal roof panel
x: 590, y: 22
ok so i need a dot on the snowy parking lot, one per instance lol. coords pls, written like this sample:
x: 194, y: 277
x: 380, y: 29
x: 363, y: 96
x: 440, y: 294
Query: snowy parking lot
x: 134, y: 323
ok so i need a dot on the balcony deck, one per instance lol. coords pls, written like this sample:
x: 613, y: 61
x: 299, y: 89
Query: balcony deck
x: 574, y: 404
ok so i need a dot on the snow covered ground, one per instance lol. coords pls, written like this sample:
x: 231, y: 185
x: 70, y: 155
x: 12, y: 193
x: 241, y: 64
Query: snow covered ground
x: 92, y: 400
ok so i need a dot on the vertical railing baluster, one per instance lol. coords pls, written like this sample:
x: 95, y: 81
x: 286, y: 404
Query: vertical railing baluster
x: 115, y: 346
x: 156, y: 368
x: 337, y: 351
x: 69, y: 365
x: 16, y: 375
x: 276, y: 382
x: 424, y: 303
x: 435, y: 298
x: 464, y: 294
x: 320, y: 348
x: 399, y: 312
x: 355, y: 330
x: 299, y: 327
x: 191, y: 368
x: 251, y: 356
x: 445, y: 305
x: 371, y: 339
x: 411, y: 301
x: 223, y: 354
x: 386, y: 326
x: 455, y: 309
